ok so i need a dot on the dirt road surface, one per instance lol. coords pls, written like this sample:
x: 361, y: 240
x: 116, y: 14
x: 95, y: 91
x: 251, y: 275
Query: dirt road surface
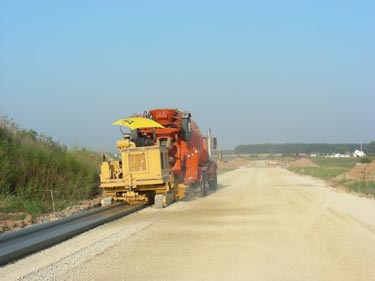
x: 262, y: 224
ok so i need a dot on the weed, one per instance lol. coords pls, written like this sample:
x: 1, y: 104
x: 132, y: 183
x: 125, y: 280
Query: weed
x: 365, y: 160
x: 329, y: 168
x: 366, y: 187
x: 32, y: 163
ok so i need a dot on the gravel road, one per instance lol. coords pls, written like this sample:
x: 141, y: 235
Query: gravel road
x: 261, y: 224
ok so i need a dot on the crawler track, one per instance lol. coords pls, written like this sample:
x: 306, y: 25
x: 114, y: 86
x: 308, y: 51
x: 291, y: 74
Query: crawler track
x: 23, y: 242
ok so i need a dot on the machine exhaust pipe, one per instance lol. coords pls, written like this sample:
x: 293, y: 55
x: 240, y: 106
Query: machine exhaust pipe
x: 211, y: 145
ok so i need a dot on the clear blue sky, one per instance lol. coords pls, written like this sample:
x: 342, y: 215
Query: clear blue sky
x: 253, y: 71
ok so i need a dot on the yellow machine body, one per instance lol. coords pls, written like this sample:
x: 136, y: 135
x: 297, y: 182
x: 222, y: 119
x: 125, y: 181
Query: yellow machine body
x: 142, y: 175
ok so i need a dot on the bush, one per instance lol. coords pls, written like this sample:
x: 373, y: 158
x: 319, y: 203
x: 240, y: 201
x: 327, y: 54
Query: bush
x: 365, y: 160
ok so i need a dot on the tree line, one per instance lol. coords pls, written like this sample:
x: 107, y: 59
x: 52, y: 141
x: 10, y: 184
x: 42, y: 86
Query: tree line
x: 308, y: 148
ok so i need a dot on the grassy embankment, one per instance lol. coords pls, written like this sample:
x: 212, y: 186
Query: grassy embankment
x: 31, y: 165
x: 330, y: 168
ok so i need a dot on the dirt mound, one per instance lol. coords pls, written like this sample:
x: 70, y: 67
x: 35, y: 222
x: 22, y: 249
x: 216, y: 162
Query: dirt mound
x: 303, y: 162
x: 233, y: 163
x: 362, y: 171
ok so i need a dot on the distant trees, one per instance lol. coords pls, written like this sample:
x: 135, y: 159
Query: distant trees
x: 292, y: 148
x: 342, y: 149
x: 371, y: 148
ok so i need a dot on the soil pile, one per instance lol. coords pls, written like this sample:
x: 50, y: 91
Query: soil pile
x: 233, y: 163
x: 362, y: 171
x: 303, y: 162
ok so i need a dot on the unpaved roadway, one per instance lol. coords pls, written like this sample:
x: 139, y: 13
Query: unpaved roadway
x: 262, y: 224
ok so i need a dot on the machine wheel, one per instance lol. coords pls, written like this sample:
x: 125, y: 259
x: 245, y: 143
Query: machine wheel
x: 204, y: 185
x: 212, y: 183
x: 159, y: 201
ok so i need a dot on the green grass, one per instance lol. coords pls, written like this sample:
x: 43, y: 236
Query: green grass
x: 14, y: 204
x: 16, y: 217
x: 319, y: 172
x: 366, y: 187
x: 328, y: 168
x: 32, y: 163
x: 346, y: 163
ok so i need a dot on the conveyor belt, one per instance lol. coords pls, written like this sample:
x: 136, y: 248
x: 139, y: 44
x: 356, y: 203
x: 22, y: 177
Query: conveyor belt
x: 26, y: 241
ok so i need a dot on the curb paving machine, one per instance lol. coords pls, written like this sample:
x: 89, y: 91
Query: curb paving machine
x: 162, y: 156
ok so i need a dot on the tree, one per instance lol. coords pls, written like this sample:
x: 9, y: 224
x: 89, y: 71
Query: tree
x: 341, y: 150
x: 371, y: 148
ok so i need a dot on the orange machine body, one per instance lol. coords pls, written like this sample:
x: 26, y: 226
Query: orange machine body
x: 188, y: 149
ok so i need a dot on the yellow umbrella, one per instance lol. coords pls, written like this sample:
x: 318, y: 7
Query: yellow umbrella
x: 137, y: 123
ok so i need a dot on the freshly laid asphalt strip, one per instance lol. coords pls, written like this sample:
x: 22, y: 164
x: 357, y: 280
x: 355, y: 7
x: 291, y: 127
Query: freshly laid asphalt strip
x: 29, y: 240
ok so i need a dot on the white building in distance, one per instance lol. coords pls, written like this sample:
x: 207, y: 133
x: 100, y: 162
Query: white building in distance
x: 359, y: 153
